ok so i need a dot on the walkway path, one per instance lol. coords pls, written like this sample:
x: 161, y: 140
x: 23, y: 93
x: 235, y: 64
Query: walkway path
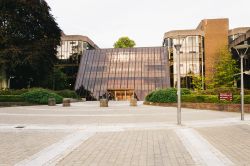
x: 85, y: 134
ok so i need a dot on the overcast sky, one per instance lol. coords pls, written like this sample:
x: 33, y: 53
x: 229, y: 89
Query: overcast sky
x: 144, y: 21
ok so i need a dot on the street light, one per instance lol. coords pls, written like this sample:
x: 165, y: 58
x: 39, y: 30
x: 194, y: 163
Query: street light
x: 178, y: 47
x: 11, y: 77
x: 242, y: 50
x: 247, y: 72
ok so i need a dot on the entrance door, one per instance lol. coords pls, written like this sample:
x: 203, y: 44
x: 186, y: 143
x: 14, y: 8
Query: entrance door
x: 121, y: 94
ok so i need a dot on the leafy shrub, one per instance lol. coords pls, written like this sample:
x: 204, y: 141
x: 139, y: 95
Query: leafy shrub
x: 64, y: 93
x: 67, y: 94
x: 168, y: 95
x: 237, y: 99
x: 164, y: 96
x: 246, y: 91
x: 147, y: 98
x: 185, y: 91
x: 41, y: 96
x: 212, y: 99
x: 216, y: 91
x: 11, y: 98
x: 200, y: 98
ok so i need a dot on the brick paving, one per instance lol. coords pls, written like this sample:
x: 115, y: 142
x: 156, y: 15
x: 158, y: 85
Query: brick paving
x: 16, y: 146
x: 121, y: 135
x: 137, y: 148
x: 233, y: 141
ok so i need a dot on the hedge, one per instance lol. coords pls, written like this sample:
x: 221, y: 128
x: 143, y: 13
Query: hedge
x: 64, y: 93
x: 164, y: 96
x: 13, y: 92
x: 67, y: 94
x: 168, y: 95
x: 11, y: 98
x: 237, y: 99
x: 147, y: 98
x: 213, y: 99
x: 41, y: 96
x: 216, y: 91
x: 201, y: 98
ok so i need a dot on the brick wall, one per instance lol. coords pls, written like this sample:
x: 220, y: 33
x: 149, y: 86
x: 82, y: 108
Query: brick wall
x: 216, y: 37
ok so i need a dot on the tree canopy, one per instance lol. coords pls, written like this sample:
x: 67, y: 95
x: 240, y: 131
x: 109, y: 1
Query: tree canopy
x: 197, y: 83
x: 225, y: 70
x: 124, y: 42
x: 29, y: 37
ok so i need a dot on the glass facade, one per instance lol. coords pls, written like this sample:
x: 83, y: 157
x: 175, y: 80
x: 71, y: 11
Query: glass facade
x: 69, y: 55
x: 233, y: 37
x: 246, y: 65
x: 71, y: 47
x: 191, y: 59
x: 121, y: 73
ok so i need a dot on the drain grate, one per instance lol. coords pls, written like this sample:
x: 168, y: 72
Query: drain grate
x: 20, y: 127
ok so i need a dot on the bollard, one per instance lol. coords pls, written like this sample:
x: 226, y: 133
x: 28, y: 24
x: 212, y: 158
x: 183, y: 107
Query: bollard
x: 103, y: 103
x: 66, y: 102
x: 51, y: 102
x: 133, y: 102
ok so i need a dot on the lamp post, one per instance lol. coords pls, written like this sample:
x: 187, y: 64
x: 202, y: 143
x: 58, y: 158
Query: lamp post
x: 11, y: 77
x: 178, y: 47
x: 242, y: 50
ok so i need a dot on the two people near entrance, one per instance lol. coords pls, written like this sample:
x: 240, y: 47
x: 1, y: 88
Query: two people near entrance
x: 107, y: 95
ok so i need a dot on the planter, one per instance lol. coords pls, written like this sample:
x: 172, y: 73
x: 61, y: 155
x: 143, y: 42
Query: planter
x: 51, y: 102
x: 66, y: 102
x: 103, y: 103
x: 133, y: 102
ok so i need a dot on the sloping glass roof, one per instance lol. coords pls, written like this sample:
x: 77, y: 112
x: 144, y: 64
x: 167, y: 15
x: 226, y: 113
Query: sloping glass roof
x: 137, y: 70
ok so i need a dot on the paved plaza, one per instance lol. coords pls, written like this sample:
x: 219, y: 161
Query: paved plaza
x: 85, y: 134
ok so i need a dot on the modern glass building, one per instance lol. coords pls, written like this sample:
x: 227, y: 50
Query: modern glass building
x: 191, y: 55
x: 236, y: 33
x: 241, y: 39
x: 199, y: 51
x: 69, y: 54
x: 74, y: 44
x: 122, y: 73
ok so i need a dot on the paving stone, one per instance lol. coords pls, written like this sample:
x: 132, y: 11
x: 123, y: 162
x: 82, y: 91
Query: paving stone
x: 123, y: 135
x: 146, y: 147
x: 232, y: 141
x: 16, y: 146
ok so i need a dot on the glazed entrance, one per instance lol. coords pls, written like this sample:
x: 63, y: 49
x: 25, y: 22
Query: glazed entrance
x: 121, y: 94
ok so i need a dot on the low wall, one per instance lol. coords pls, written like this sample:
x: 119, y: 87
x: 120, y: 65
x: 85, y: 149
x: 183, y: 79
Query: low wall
x: 206, y: 106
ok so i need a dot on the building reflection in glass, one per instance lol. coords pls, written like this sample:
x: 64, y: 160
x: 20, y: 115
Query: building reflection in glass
x: 191, y: 58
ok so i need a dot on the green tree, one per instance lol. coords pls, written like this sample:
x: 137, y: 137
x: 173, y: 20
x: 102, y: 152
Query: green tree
x: 225, y: 70
x: 197, y: 83
x: 29, y: 37
x: 57, y: 80
x: 124, y: 42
